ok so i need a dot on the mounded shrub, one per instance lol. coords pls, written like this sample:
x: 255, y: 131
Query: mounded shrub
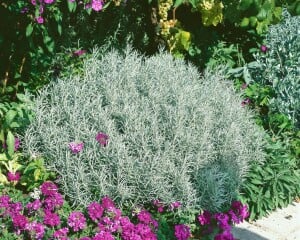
x: 173, y: 135
x: 279, y: 66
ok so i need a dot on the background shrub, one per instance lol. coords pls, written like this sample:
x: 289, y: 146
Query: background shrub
x: 279, y: 67
x: 173, y: 135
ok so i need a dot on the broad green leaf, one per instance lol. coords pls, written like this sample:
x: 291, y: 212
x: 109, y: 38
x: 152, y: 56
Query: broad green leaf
x: 29, y: 30
x: 10, y: 142
x: 72, y: 6
x: 9, y: 116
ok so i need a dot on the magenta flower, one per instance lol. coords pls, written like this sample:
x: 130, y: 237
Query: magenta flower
x: 97, y: 5
x: 103, y: 236
x: 77, y: 221
x: 61, y: 233
x: 223, y: 221
x: 33, y: 2
x: 51, y: 219
x: 144, y: 217
x: 76, y: 147
x: 159, y: 205
x: 204, y: 218
x: 13, y: 177
x: 175, y: 205
x: 49, y: 188
x: 95, y: 211
x: 102, y: 138
x: 239, y: 212
x: 107, y: 202
x: 85, y: 238
x: 54, y: 201
x: 39, y: 20
x: 34, y: 206
x: 48, y: 1
x: 264, y: 48
x: 19, y: 221
x: 36, y: 230
x: 182, y: 232
x: 79, y: 52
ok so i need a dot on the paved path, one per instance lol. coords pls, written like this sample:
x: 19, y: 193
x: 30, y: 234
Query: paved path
x: 283, y: 224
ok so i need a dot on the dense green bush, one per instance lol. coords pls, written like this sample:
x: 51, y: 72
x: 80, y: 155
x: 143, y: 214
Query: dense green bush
x: 279, y: 67
x: 173, y: 135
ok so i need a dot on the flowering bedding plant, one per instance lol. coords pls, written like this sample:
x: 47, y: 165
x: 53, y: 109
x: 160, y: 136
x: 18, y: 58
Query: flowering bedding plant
x: 45, y: 215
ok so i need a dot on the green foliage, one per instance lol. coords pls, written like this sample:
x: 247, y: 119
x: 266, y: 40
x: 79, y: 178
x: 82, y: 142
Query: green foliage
x: 273, y: 184
x: 169, y: 130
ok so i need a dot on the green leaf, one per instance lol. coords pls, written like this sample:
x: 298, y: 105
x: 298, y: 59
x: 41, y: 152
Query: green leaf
x: 256, y: 182
x: 29, y: 30
x: 178, y: 3
x: 71, y: 6
x: 9, y: 117
x: 10, y: 141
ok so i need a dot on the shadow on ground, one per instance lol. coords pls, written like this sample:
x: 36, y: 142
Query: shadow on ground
x: 245, y: 234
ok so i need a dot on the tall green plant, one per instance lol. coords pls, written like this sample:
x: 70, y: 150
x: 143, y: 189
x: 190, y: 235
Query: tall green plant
x: 139, y: 129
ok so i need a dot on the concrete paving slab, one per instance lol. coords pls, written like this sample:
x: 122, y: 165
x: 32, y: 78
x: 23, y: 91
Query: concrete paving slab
x: 283, y: 224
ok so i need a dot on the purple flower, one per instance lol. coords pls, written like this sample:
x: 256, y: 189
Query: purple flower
x: 85, y: 238
x: 4, y: 203
x: 79, y: 52
x: 49, y: 188
x: 95, y: 211
x: 264, y: 48
x: 76, y: 221
x: 107, y: 202
x: 97, y: 5
x: 103, y: 236
x: 13, y: 177
x: 222, y: 220
x: 143, y: 230
x: 144, y: 217
x: 61, y: 233
x: 182, y: 232
x: 226, y: 235
x: 175, y: 205
x: 239, y: 212
x: 48, y: 1
x: 41, y: 9
x: 51, y: 219
x: 76, y: 147
x: 246, y: 102
x: 33, y: 2
x: 25, y: 10
x: 35, y: 205
x: 53, y: 201
x: 102, y: 138
x: 157, y: 203
x: 36, y: 230
x: 204, y: 218
x: 19, y: 221
x: 39, y: 20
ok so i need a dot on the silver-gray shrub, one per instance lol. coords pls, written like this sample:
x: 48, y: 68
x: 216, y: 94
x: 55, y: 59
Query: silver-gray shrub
x: 280, y: 66
x: 173, y: 135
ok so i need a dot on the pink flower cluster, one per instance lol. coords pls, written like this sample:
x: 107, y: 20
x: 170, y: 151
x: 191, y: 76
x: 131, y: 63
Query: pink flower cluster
x: 96, y: 5
x: 237, y: 214
x: 106, y: 219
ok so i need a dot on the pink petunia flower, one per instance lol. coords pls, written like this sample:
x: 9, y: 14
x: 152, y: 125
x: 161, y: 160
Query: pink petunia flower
x: 39, y: 20
x: 76, y: 147
x: 102, y: 139
x: 97, y: 5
